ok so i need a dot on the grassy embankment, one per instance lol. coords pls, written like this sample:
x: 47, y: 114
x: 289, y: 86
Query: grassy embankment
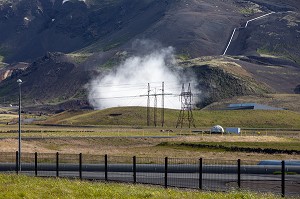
x: 136, y: 116
x: 13, y: 186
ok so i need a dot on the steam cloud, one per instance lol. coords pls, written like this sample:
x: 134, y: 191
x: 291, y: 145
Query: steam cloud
x: 127, y: 85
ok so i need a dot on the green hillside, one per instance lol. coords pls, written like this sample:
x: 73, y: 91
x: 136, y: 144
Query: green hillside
x: 137, y: 116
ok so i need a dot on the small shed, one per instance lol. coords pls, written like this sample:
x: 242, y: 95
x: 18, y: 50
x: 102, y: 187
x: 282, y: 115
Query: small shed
x: 235, y: 130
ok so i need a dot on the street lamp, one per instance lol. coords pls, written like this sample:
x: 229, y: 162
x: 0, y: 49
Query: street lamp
x: 19, y: 81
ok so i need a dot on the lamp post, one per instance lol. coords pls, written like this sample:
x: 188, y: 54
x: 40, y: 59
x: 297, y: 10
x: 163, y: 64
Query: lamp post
x: 19, y: 81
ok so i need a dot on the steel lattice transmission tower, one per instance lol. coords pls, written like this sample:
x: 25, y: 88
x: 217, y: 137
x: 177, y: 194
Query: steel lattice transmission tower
x: 186, y: 114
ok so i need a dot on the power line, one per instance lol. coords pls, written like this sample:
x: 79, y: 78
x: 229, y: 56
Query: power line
x: 134, y: 96
x: 117, y: 97
x: 129, y: 84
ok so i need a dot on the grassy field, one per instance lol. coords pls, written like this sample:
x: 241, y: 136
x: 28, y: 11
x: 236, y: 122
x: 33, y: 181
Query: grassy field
x: 13, y: 186
x: 136, y: 116
x: 122, y: 132
x: 153, y: 147
x: 4, y: 118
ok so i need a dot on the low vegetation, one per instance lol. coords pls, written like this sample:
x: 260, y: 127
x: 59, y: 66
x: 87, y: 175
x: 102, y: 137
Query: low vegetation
x: 13, y: 186
x: 258, y: 147
x: 279, y: 52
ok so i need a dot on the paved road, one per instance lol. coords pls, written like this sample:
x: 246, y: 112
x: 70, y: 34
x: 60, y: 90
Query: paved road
x: 155, y: 168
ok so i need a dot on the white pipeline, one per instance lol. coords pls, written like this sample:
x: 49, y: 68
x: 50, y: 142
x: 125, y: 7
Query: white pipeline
x: 245, y: 27
x: 229, y: 41
x: 258, y: 18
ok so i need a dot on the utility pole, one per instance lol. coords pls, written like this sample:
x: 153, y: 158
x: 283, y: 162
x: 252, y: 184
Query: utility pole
x: 163, y: 104
x: 155, y: 105
x: 155, y: 109
x: 148, y: 106
x: 186, y: 106
x: 19, y: 81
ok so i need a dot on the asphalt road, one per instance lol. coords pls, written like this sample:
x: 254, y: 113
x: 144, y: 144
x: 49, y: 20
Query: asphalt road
x: 154, y: 168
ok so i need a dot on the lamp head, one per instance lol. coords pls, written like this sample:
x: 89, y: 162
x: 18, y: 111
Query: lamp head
x: 19, y: 81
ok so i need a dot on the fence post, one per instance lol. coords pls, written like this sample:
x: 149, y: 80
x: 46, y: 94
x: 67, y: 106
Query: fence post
x: 57, y: 164
x: 17, y: 162
x: 106, y: 167
x: 200, y: 173
x: 35, y: 163
x: 134, y: 169
x: 80, y: 166
x: 166, y: 172
x: 239, y: 173
x: 283, y: 178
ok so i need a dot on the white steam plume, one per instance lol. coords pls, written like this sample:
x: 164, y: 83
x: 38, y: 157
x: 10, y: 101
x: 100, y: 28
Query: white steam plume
x: 127, y: 85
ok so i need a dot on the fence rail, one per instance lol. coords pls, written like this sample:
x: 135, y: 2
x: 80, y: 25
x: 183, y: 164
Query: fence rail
x: 204, y: 174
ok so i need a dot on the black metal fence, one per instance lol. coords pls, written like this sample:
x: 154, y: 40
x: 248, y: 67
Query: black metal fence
x: 203, y: 174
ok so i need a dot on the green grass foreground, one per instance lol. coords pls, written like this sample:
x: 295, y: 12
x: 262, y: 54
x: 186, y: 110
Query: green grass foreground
x: 19, y: 186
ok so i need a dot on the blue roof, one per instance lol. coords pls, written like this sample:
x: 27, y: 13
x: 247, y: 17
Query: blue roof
x: 253, y: 106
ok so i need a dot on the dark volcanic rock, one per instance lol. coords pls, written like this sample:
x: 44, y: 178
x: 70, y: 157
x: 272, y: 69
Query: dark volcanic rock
x: 216, y: 84
x: 52, y: 78
x: 30, y: 28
